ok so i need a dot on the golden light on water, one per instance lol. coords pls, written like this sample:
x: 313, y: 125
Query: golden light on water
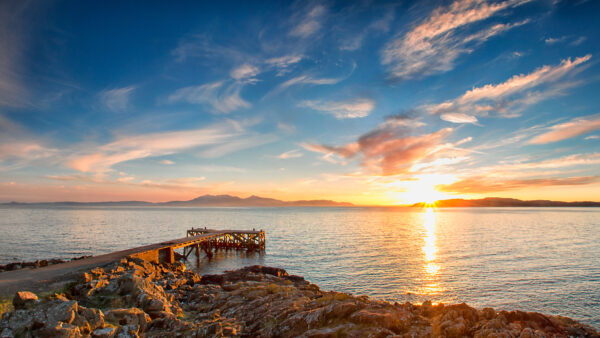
x: 429, y: 248
x: 431, y: 268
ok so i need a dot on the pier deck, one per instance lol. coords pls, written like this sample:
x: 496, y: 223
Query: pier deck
x: 53, y: 276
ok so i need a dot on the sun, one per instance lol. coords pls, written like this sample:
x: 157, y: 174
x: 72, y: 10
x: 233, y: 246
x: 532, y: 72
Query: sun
x: 423, y: 190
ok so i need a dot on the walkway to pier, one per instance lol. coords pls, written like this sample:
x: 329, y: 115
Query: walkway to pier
x: 54, y: 276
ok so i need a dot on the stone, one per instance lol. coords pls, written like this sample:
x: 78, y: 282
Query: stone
x: 61, y: 311
x: 24, y: 299
x: 86, y: 277
x: 94, y: 317
x: 7, y: 333
x: 131, y: 316
x: 106, y: 332
x: 61, y: 330
x: 19, y: 319
x: 128, y: 331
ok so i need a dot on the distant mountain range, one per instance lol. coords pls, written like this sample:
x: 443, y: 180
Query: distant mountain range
x: 504, y: 202
x: 257, y: 201
x: 205, y: 201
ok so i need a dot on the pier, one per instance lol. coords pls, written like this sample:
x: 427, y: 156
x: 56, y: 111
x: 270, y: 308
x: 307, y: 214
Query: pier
x: 207, y: 240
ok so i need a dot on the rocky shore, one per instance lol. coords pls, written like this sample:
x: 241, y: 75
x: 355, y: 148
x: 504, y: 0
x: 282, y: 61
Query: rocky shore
x: 136, y: 298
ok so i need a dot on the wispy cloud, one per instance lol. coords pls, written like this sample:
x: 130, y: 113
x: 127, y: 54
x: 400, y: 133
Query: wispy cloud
x: 310, y: 21
x: 509, y: 97
x: 573, y: 128
x: 245, y: 73
x: 593, y: 137
x: 459, y: 118
x: 223, y: 98
x: 434, y: 45
x: 307, y: 79
x: 551, y: 41
x: 283, y: 63
x: 19, y: 147
x: 212, y: 141
x: 116, y: 100
x: 343, y: 109
x: 167, y: 162
x: 574, y: 41
x: 290, y: 154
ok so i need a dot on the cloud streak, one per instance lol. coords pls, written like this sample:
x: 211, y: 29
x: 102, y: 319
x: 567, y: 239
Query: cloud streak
x: 290, y: 154
x: 283, y: 63
x: 217, y: 140
x: 310, y: 22
x: 352, y: 109
x: 245, y: 73
x: 567, y: 130
x: 509, y: 97
x: 433, y: 45
x: 221, y: 97
x: 116, y: 100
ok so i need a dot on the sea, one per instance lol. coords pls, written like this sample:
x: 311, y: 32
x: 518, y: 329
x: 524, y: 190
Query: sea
x: 532, y: 259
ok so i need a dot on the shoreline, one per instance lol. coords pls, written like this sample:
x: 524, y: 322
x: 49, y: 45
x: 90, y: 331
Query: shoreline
x: 133, y: 297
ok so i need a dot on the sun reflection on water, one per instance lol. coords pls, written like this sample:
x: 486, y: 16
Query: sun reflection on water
x: 429, y: 224
x: 431, y: 268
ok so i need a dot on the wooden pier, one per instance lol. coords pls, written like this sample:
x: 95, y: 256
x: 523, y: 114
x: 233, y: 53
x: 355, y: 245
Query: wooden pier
x: 252, y: 240
x: 206, y: 239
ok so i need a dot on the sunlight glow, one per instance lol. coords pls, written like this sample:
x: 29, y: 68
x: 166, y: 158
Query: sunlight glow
x: 429, y: 224
x: 423, y: 189
x: 430, y: 268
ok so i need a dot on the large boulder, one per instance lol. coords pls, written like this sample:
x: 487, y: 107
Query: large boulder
x: 24, y: 300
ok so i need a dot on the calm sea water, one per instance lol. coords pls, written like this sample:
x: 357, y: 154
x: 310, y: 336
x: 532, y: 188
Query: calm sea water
x: 545, y: 260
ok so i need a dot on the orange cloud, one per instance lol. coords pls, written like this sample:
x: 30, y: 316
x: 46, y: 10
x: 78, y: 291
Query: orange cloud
x: 573, y: 128
x: 389, y: 148
x: 481, y: 185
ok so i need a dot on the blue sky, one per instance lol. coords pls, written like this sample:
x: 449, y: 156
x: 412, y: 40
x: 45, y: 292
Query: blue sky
x: 368, y: 102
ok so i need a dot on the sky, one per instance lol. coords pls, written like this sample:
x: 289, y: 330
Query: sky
x: 368, y: 102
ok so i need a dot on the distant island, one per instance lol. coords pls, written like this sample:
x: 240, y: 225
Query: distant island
x: 504, y: 202
x: 203, y: 201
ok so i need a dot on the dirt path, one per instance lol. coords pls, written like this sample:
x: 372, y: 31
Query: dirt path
x: 53, y: 276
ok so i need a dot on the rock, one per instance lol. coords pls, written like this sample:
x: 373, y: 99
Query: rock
x: 19, y: 319
x: 127, y: 331
x: 7, y: 333
x: 98, y: 272
x: 86, y: 277
x: 24, y: 299
x: 106, y: 332
x: 94, y: 317
x: 61, y: 330
x: 131, y: 316
x: 61, y: 311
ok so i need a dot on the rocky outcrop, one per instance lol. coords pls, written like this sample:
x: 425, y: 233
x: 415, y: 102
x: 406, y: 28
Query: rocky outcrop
x: 136, y: 298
